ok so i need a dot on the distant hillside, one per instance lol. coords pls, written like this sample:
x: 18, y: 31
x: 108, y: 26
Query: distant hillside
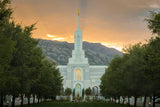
x: 60, y: 52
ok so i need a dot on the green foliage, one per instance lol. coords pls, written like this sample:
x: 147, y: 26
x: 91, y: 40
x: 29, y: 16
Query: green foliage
x: 47, y: 80
x: 125, y: 75
x: 137, y: 72
x: 7, y: 49
x: 152, y: 64
x: 88, y: 91
x: 112, y: 80
x: 23, y: 67
x: 5, y: 11
x: 68, y: 91
x: 153, y: 22
x: 73, y: 92
x: 83, y: 92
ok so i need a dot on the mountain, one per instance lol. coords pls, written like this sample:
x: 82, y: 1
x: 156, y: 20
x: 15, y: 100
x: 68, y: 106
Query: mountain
x: 60, y: 52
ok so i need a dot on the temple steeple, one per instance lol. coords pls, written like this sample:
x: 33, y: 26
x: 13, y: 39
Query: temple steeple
x: 78, y: 55
x: 78, y: 37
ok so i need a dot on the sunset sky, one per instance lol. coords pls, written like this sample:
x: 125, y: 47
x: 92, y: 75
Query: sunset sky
x: 114, y: 23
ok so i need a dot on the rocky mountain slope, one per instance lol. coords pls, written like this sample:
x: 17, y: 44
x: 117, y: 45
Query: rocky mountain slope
x: 60, y: 52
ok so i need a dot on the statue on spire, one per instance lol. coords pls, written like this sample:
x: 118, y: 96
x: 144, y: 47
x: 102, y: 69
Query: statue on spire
x: 78, y: 12
x: 78, y: 18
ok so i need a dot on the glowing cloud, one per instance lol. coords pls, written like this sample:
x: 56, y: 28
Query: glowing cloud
x: 50, y: 36
x: 58, y: 39
x: 55, y: 37
x: 111, y: 46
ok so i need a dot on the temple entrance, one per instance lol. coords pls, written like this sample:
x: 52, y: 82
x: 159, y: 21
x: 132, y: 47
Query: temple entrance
x: 78, y: 90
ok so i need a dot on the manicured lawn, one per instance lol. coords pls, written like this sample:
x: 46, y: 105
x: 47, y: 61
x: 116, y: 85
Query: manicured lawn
x: 72, y: 104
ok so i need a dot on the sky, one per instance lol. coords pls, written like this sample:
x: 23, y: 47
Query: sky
x: 113, y: 23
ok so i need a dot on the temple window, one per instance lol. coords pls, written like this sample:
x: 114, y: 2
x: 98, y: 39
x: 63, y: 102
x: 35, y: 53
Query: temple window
x: 78, y: 75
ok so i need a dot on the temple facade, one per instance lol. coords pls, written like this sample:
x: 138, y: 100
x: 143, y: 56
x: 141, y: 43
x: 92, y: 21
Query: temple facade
x: 78, y: 74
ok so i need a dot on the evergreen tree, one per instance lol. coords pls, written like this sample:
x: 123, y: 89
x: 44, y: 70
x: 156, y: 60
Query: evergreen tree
x: 68, y: 91
x: 7, y: 48
x: 88, y: 91
x: 152, y: 57
x: 23, y: 69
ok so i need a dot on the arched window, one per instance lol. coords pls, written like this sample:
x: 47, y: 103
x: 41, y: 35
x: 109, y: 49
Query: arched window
x: 78, y: 75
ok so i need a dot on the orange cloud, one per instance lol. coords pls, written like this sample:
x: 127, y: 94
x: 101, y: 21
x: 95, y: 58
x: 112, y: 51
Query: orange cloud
x: 102, y: 23
x: 58, y: 39
x: 112, y: 46
x: 55, y: 37
x: 50, y: 36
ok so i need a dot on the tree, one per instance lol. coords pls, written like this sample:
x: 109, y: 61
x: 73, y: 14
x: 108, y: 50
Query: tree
x: 23, y: 69
x: 5, y: 12
x: 134, y: 72
x: 83, y: 92
x: 73, y: 92
x: 152, y: 58
x: 112, y: 80
x: 14, y: 37
x: 6, y: 54
x: 62, y: 91
x: 7, y: 48
x: 152, y: 67
x: 35, y: 62
x: 44, y: 83
x: 125, y: 76
x: 68, y: 91
x: 154, y: 22
x: 88, y: 91
x: 58, y: 81
x: 21, y: 62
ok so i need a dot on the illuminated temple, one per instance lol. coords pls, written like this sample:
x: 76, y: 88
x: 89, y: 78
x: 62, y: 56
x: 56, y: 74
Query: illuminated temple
x: 78, y: 74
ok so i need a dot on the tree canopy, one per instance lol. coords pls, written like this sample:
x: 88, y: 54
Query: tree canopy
x: 68, y: 91
x: 88, y: 91
x: 23, y: 66
x: 137, y: 72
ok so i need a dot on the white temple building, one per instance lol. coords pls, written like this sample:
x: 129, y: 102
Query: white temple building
x: 78, y: 74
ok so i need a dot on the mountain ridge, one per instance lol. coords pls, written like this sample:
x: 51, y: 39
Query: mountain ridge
x: 60, y: 52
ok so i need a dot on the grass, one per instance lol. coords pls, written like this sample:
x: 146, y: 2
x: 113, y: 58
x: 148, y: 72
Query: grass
x: 72, y: 104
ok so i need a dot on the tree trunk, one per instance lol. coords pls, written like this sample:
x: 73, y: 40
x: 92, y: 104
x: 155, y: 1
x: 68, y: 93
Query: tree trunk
x: 1, y: 104
x: 123, y: 100
x: 118, y: 100
x: 135, y: 101
x: 28, y: 99
x: 115, y: 99
x: 13, y: 101
x: 38, y: 99
x: 154, y: 98
x: 128, y: 101
x: 33, y: 98
x: 144, y: 102
x: 21, y: 99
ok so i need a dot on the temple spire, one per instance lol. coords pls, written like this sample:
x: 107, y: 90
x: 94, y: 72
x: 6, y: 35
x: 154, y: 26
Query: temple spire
x: 78, y: 18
